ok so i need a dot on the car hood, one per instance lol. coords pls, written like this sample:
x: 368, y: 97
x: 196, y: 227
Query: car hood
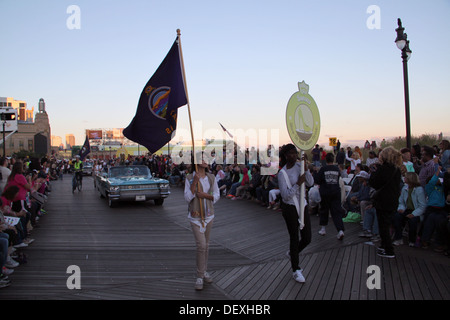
x: 135, y: 181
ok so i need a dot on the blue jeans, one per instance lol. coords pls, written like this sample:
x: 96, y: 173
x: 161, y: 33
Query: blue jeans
x: 234, y: 187
x: 433, y: 217
x: 370, y: 221
x: 3, y: 248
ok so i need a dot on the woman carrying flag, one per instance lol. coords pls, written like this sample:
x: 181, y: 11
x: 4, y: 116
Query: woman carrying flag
x: 201, y: 192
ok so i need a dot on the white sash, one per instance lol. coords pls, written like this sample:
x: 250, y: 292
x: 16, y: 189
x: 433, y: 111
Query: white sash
x: 297, y: 206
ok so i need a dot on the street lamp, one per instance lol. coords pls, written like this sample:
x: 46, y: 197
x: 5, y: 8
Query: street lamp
x: 402, y: 43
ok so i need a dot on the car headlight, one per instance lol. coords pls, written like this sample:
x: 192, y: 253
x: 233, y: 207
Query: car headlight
x: 164, y: 185
x: 114, y: 189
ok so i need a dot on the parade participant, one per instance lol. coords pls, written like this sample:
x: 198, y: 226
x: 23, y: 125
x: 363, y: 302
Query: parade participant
x: 201, y: 192
x: 289, y: 184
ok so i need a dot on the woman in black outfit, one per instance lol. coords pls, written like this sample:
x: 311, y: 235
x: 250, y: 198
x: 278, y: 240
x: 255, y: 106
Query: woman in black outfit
x: 386, y: 180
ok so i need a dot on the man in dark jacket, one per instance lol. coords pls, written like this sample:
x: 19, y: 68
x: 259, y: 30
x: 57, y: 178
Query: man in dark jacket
x: 386, y: 180
x: 330, y: 193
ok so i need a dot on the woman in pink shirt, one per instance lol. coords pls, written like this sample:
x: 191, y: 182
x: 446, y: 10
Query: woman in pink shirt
x: 17, y: 178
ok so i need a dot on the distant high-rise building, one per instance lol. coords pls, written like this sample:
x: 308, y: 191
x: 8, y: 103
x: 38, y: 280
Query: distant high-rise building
x: 56, y: 141
x: 70, y: 140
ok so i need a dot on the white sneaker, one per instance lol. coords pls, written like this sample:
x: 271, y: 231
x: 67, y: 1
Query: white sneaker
x: 11, y: 263
x: 397, y: 242
x: 207, y: 278
x: 21, y: 245
x: 340, y: 235
x: 322, y: 231
x: 199, y: 284
x: 298, y: 276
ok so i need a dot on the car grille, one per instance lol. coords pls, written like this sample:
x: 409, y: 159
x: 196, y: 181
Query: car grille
x: 139, y: 187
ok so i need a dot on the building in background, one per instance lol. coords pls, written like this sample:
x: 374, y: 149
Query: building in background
x: 70, y: 141
x: 33, y: 130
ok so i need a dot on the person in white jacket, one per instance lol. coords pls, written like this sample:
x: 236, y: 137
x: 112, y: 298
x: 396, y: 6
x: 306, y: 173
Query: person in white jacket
x: 291, y: 197
x: 411, y: 206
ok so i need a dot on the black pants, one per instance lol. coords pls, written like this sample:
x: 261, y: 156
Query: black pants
x: 385, y: 221
x: 297, y: 240
x: 332, y: 204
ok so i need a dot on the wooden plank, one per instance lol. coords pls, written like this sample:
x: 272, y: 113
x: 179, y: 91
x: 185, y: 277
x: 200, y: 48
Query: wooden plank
x: 143, y: 251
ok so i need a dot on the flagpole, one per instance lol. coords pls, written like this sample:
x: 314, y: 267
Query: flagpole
x: 190, y: 119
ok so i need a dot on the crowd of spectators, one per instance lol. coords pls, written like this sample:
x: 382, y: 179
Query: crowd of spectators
x: 422, y: 217
x: 24, y: 186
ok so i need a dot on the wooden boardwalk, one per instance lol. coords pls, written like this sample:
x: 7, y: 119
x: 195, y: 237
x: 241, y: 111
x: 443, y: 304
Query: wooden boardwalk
x: 142, y: 251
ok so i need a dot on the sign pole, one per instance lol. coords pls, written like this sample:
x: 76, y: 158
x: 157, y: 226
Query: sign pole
x: 202, y: 215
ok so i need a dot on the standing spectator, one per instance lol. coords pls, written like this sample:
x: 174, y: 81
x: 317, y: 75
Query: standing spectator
x: 323, y: 155
x: 445, y: 154
x: 4, y: 172
x: 354, y: 161
x: 411, y: 206
x: 427, y: 169
x: 290, y: 181
x: 386, y: 181
x: 340, y: 157
x: 201, y: 192
x: 316, y: 156
x: 330, y: 193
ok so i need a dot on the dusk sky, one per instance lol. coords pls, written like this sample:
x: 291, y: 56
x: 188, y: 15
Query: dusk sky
x: 243, y: 62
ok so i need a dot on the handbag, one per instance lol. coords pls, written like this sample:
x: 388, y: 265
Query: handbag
x: 39, y: 197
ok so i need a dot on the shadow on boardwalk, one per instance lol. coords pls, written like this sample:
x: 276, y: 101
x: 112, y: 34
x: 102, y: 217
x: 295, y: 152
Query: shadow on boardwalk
x: 143, y: 251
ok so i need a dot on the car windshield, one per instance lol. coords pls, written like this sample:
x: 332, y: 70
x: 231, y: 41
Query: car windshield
x: 130, y: 172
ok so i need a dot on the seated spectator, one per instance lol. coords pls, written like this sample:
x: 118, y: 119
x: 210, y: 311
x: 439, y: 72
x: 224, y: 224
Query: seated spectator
x: 406, y: 157
x: 443, y: 228
x: 7, y: 198
x: 268, y: 183
x: 412, y: 205
x: 235, y: 180
x: 370, y: 223
x: 175, y: 175
x: 343, y: 171
x: 225, y: 182
x: 274, y: 202
x: 244, y: 183
x: 435, y: 212
x: 427, y: 169
x: 362, y: 197
x: 255, y: 182
x: 444, y: 156
x: 372, y: 159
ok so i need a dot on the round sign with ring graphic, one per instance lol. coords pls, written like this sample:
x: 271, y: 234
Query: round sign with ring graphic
x: 303, y: 118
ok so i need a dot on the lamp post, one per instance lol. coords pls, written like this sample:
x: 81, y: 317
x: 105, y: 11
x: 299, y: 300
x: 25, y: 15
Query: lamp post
x: 402, y: 43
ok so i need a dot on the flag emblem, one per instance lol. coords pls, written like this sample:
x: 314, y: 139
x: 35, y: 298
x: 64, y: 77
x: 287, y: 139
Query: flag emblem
x: 159, y: 101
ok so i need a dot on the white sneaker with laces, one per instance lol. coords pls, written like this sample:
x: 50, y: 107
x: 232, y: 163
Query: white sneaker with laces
x: 207, y: 278
x: 298, y: 276
x: 322, y: 231
x: 199, y: 284
x: 340, y: 235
